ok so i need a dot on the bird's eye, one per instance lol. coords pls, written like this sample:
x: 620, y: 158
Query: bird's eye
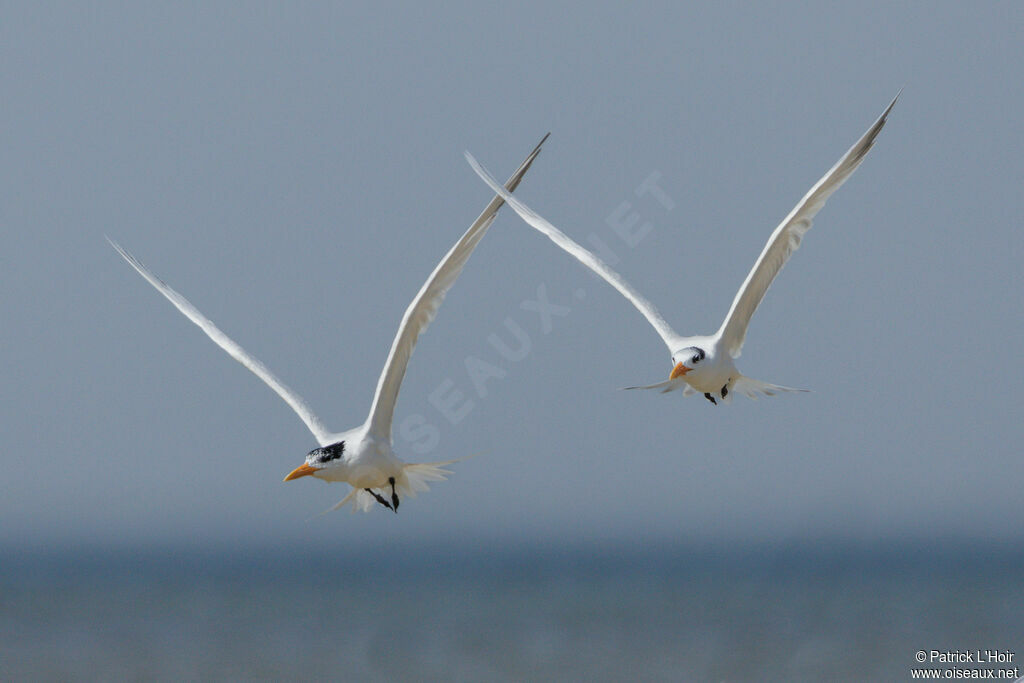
x: 696, y: 358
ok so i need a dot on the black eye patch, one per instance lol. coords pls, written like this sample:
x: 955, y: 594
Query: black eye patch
x: 327, y: 453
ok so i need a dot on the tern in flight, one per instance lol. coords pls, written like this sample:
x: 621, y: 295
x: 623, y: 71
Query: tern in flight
x: 363, y: 456
x: 705, y: 364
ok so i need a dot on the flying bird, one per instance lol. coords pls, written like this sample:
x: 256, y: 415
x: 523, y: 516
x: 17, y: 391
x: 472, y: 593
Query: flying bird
x: 705, y: 364
x: 363, y: 456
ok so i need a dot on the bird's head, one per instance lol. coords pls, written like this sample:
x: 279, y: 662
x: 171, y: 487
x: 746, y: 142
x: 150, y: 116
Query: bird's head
x: 686, y: 361
x: 317, y: 460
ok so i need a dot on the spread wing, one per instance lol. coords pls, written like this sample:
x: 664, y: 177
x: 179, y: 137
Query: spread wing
x: 234, y: 350
x: 582, y: 255
x: 786, y: 239
x: 425, y: 305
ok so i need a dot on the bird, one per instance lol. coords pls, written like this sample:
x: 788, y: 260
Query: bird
x: 706, y: 364
x: 363, y: 456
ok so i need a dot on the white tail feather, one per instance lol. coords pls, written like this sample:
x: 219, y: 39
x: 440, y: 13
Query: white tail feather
x: 414, y: 477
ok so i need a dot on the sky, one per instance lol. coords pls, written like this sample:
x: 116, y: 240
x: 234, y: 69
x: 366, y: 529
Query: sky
x: 298, y: 171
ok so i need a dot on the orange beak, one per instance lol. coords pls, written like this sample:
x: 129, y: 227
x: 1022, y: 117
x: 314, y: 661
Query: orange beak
x: 302, y: 470
x: 678, y: 371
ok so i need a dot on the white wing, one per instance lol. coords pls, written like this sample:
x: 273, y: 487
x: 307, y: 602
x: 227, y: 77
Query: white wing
x: 234, y: 350
x: 786, y: 239
x: 425, y: 305
x: 585, y: 257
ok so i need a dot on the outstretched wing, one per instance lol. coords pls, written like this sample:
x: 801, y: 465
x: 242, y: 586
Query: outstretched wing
x: 786, y: 239
x: 582, y: 255
x: 425, y: 305
x: 234, y: 350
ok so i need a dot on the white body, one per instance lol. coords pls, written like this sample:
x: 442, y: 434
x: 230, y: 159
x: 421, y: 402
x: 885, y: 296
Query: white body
x: 716, y: 370
x: 365, y: 458
x: 370, y: 462
x: 714, y: 373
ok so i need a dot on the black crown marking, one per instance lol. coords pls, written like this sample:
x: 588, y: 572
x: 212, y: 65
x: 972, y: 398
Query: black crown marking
x: 327, y: 453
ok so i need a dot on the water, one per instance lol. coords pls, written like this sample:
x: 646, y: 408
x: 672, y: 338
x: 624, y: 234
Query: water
x: 524, y: 613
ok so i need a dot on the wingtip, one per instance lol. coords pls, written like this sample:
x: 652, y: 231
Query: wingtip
x: 477, y: 167
x: 534, y: 153
x: 125, y: 254
x: 513, y: 182
x: 119, y: 249
x: 891, y: 105
x: 536, y: 150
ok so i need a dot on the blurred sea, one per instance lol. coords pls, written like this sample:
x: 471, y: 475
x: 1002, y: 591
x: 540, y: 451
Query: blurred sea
x: 603, y: 612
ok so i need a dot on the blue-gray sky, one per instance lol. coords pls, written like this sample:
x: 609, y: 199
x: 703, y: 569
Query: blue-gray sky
x: 297, y: 172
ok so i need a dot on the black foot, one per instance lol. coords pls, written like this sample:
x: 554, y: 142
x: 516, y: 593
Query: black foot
x: 710, y: 398
x: 380, y: 499
x: 725, y: 390
x: 394, y: 496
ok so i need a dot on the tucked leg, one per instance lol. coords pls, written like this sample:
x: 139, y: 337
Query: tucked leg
x: 394, y: 496
x: 710, y: 398
x: 380, y: 499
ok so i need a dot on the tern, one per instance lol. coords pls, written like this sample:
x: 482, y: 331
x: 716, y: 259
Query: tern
x: 705, y: 364
x: 363, y: 457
